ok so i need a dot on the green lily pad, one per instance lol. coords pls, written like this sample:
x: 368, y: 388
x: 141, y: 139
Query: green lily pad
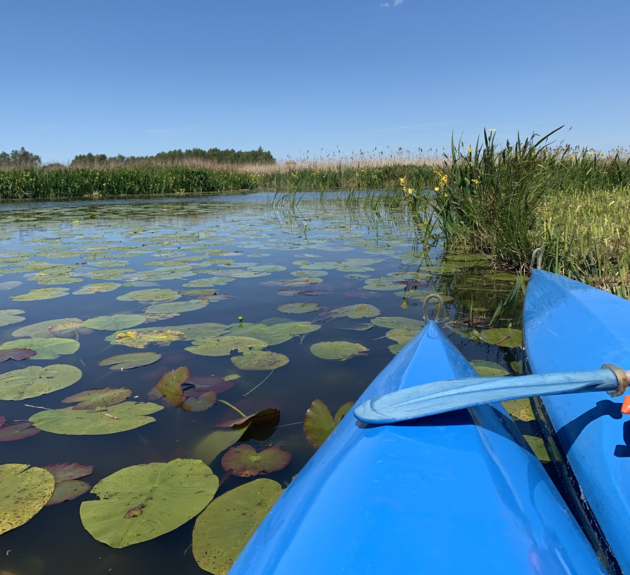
x: 224, y: 345
x: 41, y: 329
x: 381, y: 284
x: 520, y: 409
x: 70, y: 329
x: 217, y: 442
x: 10, y: 316
x: 116, y: 322
x: 45, y: 348
x: 24, y: 491
x: 298, y: 308
x: 41, y: 294
x: 178, y: 306
x: 259, y: 360
x: 150, y: 295
x: 337, y: 350
x: 488, y: 368
x: 267, y: 268
x: 245, y: 461
x: 319, y: 423
x: 35, y: 381
x: 398, y: 323
x: 130, y: 360
x: 309, y: 273
x: 353, y: 311
x: 98, y: 398
x: 501, y: 336
x: 142, y: 502
x: 117, y: 418
x: 169, y: 386
x: 227, y: 524
x: 401, y: 336
x: 209, y: 282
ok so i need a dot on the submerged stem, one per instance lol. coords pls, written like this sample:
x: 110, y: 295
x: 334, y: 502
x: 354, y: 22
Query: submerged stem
x: 230, y: 405
x: 263, y: 381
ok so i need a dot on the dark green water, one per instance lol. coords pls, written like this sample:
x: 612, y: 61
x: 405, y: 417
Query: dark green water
x: 52, y: 245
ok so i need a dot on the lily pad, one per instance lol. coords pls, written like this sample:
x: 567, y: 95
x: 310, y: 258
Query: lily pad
x: 116, y: 322
x: 70, y: 329
x: 501, y: 336
x: 169, y: 386
x: 150, y: 295
x: 315, y: 292
x: 298, y: 308
x: 224, y: 345
x: 227, y: 524
x: 67, y: 491
x: 215, y: 443
x: 520, y: 409
x: 17, y: 431
x: 401, y: 336
x: 9, y: 285
x: 24, y: 491
x: 142, y: 502
x: 342, y: 350
x: 41, y: 329
x: 10, y: 316
x: 130, y: 360
x: 41, y: 294
x: 178, y: 306
x: 319, y: 423
x: 45, y: 348
x: 488, y: 368
x: 381, y: 284
x: 353, y: 311
x: 16, y: 354
x: 398, y: 323
x: 95, y: 398
x: 67, y: 471
x: 245, y: 461
x: 103, y: 287
x: 117, y: 418
x: 139, y: 339
x: 259, y: 360
x: 35, y: 381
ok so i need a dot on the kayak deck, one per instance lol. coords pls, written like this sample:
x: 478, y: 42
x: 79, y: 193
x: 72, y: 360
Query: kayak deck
x: 571, y: 326
x: 454, y: 493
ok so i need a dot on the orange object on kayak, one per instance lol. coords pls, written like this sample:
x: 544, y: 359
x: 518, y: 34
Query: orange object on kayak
x: 625, y: 408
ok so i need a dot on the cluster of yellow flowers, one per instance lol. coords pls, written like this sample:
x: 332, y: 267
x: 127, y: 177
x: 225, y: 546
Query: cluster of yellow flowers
x: 442, y: 178
x: 406, y: 190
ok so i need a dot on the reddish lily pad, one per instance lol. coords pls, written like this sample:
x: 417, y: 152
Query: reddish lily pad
x: 245, y: 461
x: 260, y: 426
x: 3, y: 420
x: 286, y: 292
x: 315, y: 292
x: 319, y: 423
x: 211, y: 383
x: 197, y: 398
x: 17, y: 431
x: 67, y: 471
x: 66, y: 485
x: 67, y: 491
x: 16, y: 354
x: 98, y: 398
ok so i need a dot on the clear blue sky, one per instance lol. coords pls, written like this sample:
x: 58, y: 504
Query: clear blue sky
x: 137, y: 77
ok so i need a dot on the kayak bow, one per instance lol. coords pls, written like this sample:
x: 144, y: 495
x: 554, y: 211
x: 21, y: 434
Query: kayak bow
x: 455, y: 493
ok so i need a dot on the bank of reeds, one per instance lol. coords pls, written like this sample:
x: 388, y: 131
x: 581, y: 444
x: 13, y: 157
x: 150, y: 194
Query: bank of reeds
x: 89, y: 182
x: 508, y: 200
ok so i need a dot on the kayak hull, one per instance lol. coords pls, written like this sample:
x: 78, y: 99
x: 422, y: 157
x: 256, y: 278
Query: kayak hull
x: 571, y: 326
x: 454, y: 493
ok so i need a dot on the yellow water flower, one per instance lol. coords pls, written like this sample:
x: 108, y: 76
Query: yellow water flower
x: 475, y: 181
x: 493, y: 130
x: 469, y: 149
x: 436, y: 189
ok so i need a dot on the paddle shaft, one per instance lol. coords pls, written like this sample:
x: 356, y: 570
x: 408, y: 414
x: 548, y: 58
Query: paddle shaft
x: 443, y: 396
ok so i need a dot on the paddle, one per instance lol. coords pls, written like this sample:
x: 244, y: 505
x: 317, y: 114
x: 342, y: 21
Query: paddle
x: 443, y: 396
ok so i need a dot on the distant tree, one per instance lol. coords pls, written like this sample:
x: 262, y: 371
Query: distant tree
x: 20, y: 159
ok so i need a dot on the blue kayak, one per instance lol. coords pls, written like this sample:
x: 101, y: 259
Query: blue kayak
x: 571, y: 326
x: 454, y: 493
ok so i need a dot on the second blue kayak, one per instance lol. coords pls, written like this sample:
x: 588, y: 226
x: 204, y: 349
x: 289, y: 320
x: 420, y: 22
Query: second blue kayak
x: 570, y: 326
x: 450, y: 494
